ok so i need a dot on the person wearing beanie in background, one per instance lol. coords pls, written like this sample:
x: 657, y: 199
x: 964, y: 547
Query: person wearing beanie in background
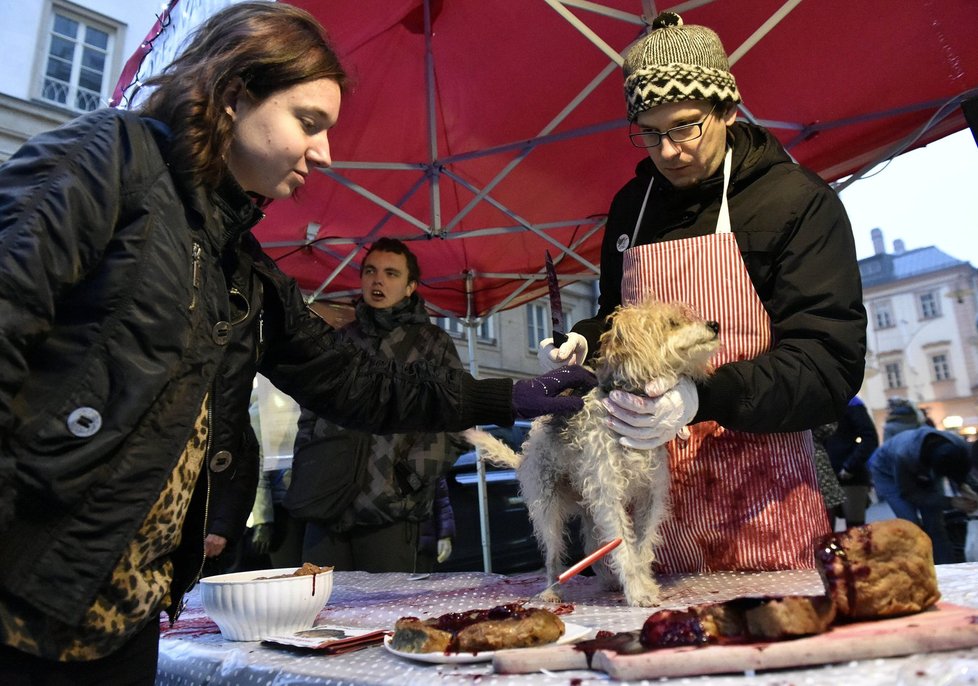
x: 909, y: 472
x: 901, y: 415
x: 718, y: 216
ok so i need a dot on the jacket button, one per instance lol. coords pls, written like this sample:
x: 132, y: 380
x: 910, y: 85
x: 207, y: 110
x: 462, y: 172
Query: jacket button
x: 220, y: 461
x: 221, y: 333
x: 84, y: 422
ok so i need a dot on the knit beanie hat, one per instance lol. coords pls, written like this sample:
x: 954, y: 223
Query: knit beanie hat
x: 675, y: 63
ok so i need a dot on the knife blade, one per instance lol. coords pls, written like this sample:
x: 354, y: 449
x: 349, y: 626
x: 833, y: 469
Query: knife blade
x: 556, y: 312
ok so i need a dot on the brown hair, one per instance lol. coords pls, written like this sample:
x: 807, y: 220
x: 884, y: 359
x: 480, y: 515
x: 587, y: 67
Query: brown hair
x: 269, y: 46
x: 393, y: 245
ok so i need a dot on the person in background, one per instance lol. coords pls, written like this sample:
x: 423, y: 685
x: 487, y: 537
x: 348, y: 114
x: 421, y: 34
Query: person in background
x: 849, y: 448
x: 273, y: 538
x: 379, y: 531
x: 719, y: 217
x: 828, y: 483
x: 137, y: 307
x: 227, y: 538
x: 909, y: 472
x: 902, y: 414
x: 438, y: 531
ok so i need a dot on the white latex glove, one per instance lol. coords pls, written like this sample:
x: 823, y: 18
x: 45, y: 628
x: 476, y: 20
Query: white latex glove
x: 444, y: 549
x: 573, y: 351
x: 648, y: 422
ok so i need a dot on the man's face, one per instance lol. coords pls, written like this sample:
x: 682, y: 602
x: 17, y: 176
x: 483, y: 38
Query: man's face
x: 384, y: 279
x: 688, y: 164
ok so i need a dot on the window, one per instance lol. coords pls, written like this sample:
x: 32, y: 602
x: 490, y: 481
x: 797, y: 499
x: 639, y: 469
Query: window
x: 75, y: 71
x: 883, y: 314
x: 450, y: 324
x: 894, y: 375
x: 929, y: 306
x: 486, y: 330
x: 454, y: 327
x: 537, y: 318
x: 941, y: 367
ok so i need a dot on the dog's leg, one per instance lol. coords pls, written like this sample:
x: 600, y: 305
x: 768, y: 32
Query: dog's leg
x: 609, y: 507
x: 603, y: 571
x: 551, y: 536
x: 648, y: 520
x: 544, y: 492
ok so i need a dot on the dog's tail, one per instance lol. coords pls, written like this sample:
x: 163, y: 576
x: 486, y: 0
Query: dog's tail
x: 493, y: 449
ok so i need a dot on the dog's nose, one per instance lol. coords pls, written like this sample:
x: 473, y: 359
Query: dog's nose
x: 713, y: 326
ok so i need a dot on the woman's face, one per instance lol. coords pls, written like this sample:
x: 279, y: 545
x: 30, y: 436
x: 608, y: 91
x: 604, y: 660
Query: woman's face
x: 277, y: 141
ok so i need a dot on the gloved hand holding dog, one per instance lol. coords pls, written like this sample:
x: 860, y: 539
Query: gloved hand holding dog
x: 541, y: 395
x: 573, y: 351
x: 648, y: 422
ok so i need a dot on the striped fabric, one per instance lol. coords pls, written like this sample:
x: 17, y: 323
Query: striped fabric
x: 740, y: 501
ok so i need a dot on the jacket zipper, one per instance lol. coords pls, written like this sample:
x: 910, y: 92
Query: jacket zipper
x: 261, y: 334
x: 207, y: 499
x: 197, y: 250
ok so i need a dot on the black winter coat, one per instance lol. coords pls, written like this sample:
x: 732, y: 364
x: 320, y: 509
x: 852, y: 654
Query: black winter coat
x: 126, y: 297
x: 404, y: 468
x: 797, y: 244
x: 852, y: 444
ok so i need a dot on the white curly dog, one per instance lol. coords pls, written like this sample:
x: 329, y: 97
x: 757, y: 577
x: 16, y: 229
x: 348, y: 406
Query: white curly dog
x: 577, y: 466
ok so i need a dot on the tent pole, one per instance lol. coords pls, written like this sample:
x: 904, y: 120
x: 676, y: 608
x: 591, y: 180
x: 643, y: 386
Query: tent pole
x: 429, y: 81
x: 480, y: 462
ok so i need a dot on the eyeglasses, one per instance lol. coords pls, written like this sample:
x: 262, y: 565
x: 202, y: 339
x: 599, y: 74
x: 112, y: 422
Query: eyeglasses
x: 677, y: 134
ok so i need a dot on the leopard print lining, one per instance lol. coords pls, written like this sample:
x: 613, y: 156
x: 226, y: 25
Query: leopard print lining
x: 139, y: 585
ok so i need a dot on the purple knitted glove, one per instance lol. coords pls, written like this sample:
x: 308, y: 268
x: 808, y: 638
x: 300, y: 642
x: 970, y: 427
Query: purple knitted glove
x: 540, y: 395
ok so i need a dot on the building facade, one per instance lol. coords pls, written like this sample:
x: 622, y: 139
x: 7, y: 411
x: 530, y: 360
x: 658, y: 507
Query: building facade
x: 922, y: 336
x: 62, y: 59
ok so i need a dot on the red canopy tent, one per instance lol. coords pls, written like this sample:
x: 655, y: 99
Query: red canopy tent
x: 489, y: 131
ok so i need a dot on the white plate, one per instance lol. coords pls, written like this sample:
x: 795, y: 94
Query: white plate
x: 572, y: 632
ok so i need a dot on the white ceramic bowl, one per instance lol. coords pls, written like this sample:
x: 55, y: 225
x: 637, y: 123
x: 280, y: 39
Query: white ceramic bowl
x: 247, y: 608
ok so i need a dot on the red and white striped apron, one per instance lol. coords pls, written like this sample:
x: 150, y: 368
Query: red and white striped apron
x: 740, y: 501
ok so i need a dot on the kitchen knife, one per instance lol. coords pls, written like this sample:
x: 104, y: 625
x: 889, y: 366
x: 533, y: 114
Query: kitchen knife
x: 585, y: 563
x: 556, y: 313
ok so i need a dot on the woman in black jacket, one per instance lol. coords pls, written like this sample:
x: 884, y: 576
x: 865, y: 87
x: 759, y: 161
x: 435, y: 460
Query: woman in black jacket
x: 135, y: 310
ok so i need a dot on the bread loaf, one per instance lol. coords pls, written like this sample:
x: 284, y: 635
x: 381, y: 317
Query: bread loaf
x: 504, y: 626
x: 882, y: 569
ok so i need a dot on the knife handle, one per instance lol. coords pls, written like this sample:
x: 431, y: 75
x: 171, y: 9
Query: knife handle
x: 587, y: 561
x: 559, y: 339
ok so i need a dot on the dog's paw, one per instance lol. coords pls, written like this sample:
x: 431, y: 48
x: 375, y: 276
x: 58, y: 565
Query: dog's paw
x: 549, y: 595
x: 645, y: 596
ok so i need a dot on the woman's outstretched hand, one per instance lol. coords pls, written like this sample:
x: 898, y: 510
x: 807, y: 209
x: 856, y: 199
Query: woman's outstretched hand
x: 541, y: 395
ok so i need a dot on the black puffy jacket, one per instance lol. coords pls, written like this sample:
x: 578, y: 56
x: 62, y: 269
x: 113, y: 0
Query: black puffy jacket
x: 126, y: 297
x: 797, y: 245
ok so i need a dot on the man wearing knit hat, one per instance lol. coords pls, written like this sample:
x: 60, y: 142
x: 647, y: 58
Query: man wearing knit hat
x: 718, y: 216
